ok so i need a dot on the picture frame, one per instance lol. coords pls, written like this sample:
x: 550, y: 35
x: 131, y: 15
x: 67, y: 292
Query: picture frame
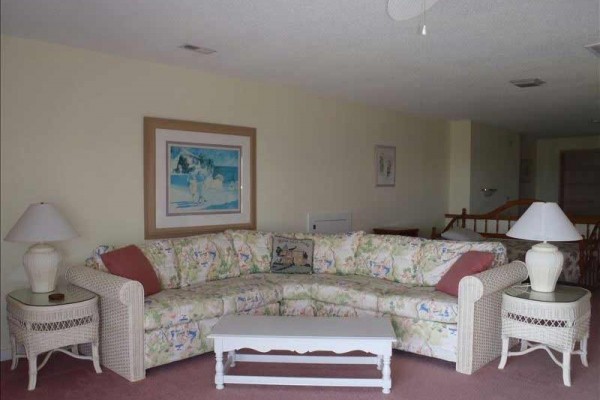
x: 199, y: 177
x: 385, y: 165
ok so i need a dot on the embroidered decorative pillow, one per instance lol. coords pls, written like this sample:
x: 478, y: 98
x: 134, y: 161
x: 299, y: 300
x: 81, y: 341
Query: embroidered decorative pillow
x: 292, y: 256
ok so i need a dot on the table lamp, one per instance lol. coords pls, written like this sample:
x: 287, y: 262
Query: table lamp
x: 41, y: 223
x: 544, y: 222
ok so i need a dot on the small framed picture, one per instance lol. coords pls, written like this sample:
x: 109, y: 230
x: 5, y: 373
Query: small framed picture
x: 385, y: 165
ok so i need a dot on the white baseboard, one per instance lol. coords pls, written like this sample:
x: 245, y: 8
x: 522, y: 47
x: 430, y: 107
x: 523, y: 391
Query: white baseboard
x: 5, y: 354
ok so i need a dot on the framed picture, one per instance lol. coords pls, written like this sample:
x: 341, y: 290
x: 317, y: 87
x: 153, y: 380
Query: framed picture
x: 385, y: 165
x: 198, y: 177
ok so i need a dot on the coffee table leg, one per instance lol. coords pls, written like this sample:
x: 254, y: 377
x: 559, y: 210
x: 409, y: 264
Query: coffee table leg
x: 219, y: 370
x: 379, y: 362
x: 387, y: 374
x: 232, y: 358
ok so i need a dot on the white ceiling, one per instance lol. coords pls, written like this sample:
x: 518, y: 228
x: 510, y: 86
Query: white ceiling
x: 352, y: 50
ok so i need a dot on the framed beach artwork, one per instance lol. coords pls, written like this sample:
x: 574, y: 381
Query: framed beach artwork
x: 385, y: 165
x: 198, y: 177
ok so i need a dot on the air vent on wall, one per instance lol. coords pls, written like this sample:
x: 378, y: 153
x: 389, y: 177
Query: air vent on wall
x: 197, y: 49
x: 525, y: 83
x: 594, y: 48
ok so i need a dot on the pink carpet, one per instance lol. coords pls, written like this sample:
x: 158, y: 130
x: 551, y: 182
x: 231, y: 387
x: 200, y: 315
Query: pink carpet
x: 533, y: 377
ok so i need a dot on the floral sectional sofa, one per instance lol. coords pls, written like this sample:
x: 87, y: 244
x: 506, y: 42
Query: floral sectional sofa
x: 207, y: 276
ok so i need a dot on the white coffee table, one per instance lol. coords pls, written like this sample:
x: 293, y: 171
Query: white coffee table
x: 301, y: 335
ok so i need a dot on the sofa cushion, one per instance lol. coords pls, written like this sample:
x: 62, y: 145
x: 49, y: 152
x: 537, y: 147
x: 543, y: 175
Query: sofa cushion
x: 161, y: 255
x: 253, y: 250
x: 437, y: 256
x: 129, y: 262
x: 292, y: 256
x: 205, y: 258
x: 240, y: 294
x: 352, y: 291
x: 471, y: 262
x: 334, y: 254
x: 390, y: 257
x: 293, y: 286
x: 420, y: 302
x: 178, y: 306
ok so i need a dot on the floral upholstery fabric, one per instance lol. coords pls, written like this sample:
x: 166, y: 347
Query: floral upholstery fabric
x: 253, y: 249
x: 334, y: 254
x: 94, y: 261
x: 433, y: 339
x: 165, y: 345
x: 293, y: 308
x: 437, y: 256
x: 162, y: 346
x: 239, y: 294
x: 336, y: 310
x: 205, y: 258
x: 293, y: 286
x: 390, y: 257
x: 516, y: 250
x: 161, y: 255
x: 352, y: 291
x: 420, y: 302
x: 178, y: 306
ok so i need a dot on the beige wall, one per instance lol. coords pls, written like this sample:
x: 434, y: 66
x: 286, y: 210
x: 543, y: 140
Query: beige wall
x: 547, y: 171
x: 459, y: 165
x: 71, y: 134
x: 495, y: 159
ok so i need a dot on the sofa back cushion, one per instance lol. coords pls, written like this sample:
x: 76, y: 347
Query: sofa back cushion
x: 129, y: 262
x: 437, y: 256
x: 333, y: 253
x: 205, y: 258
x: 390, y: 257
x: 253, y: 250
x: 161, y: 255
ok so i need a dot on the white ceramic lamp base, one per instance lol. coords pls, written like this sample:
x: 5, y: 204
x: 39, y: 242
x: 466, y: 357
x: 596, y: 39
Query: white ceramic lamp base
x: 544, y: 265
x: 41, y: 264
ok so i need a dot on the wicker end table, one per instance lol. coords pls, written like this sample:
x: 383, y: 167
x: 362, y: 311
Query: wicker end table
x: 41, y: 325
x: 555, y: 321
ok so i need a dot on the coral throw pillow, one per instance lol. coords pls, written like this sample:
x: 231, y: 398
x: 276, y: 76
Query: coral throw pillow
x: 129, y: 262
x: 470, y: 263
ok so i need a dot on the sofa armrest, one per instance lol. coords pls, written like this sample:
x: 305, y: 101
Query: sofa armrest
x: 121, y: 303
x: 479, y: 314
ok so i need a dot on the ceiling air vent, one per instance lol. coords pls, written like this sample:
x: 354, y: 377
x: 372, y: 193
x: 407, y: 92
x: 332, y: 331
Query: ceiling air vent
x: 197, y: 49
x: 594, y: 48
x: 525, y: 83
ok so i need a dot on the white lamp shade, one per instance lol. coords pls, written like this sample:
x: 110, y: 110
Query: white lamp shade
x: 544, y: 222
x: 41, y: 222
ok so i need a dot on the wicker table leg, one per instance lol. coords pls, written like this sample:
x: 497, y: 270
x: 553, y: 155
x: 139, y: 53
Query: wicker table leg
x: 583, y: 349
x: 32, y: 361
x: 13, y: 352
x: 505, y: 340
x: 566, y: 367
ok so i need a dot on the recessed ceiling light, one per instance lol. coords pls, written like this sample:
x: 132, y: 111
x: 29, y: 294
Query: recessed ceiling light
x: 197, y: 49
x: 530, y: 82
